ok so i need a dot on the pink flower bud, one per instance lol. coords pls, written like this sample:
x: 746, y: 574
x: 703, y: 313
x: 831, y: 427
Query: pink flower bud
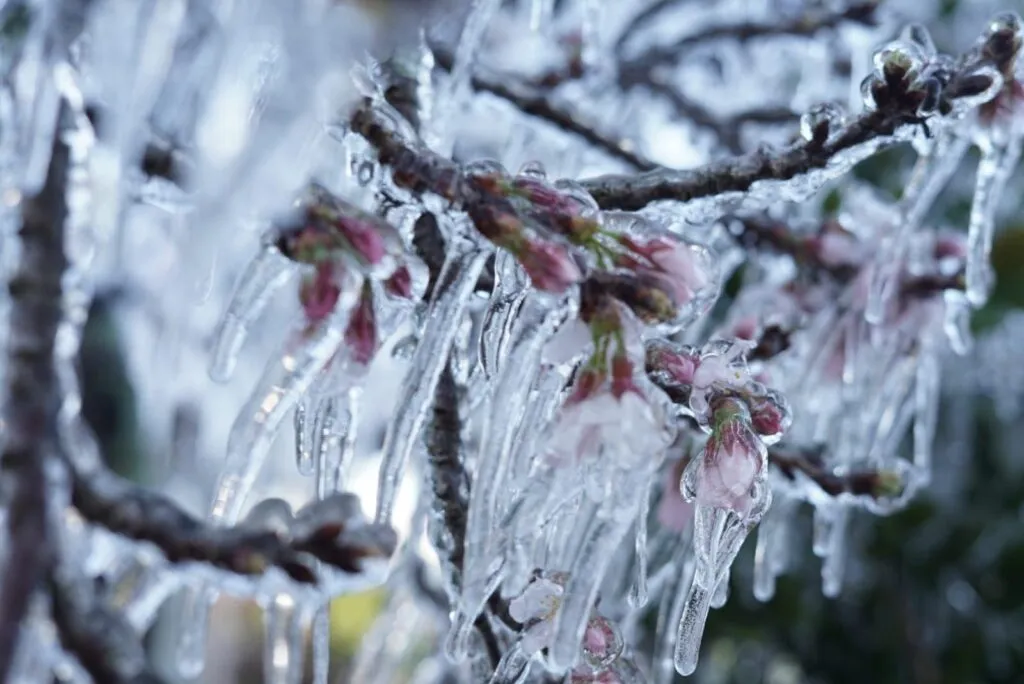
x: 363, y: 237
x: 544, y: 196
x: 550, y: 265
x: 622, y: 376
x: 319, y: 293
x: 400, y: 283
x: 770, y: 415
x: 361, y: 335
x: 733, y: 460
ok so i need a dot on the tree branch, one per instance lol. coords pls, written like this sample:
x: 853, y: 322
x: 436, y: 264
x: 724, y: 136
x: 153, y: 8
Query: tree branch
x: 631, y: 193
x: 138, y: 514
x: 858, y: 12
x: 872, y: 483
x: 535, y: 103
x: 33, y: 395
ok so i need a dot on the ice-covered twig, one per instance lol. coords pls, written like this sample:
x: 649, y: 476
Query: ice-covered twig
x: 726, y: 128
x: 535, y: 102
x: 33, y: 398
x: 105, y: 500
x: 105, y: 645
x: 871, y: 483
x: 837, y: 148
x: 857, y: 12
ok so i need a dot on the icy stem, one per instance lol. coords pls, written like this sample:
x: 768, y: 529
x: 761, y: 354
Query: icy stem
x: 440, y: 328
x: 997, y: 163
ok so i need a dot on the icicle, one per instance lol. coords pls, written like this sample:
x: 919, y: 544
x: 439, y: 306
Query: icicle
x: 348, y: 442
x: 283, y: 382
x: 321, y: 638
x: 772, y: 551
x: 638, y: 592
x: 930, y: 175
x: 541, y: 13
x: 926, y: 408
x: 721, y: 594
x: 442, y: 137
x: 691, y: 629
x: 194, y: 630
x: 834, y: 564
x: 957, y: 324
x: 514, y: 667
x: 592, y: 48
x: 596, y: 549
x: 670, y: 611
x: 717, y: 538
x: 436, y: 339
x: 266, y: 274
x: 509, y: 404
x: 303, y: 453
x: 996, y: 164
x: 283, y: 645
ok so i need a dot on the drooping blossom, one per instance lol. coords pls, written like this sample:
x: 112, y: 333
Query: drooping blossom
x: 535, y: 608
x: 734, y: 458
x: 607, y: 415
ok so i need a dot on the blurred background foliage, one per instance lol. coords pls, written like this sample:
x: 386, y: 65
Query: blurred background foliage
x: 934, y: 594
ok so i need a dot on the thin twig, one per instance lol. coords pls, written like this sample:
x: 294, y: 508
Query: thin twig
x: 135, y: 513
x: 635, y: 192
x: 535, y: 102
x: 858, y: 12
x: 33, y: 396
x: 870, y: 483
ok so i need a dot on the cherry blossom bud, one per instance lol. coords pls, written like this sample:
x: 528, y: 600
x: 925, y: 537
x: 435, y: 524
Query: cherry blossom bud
x: 770, y: 415
x: 602, y: 644
x: 399, y: 284
x: 319, y: 293
x: 550, y: 265
x: 364, y: 240
x: 733, y: 460
x: 361, y: 335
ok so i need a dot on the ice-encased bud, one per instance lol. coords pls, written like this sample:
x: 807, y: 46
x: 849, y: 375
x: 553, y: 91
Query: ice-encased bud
x: 821, y: 122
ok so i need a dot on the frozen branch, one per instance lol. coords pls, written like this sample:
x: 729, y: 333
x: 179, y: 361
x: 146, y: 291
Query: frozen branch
x: 33, y: 396
x: 870, y: 483
x: 535, y: 102
x: 806, y: 26
x: 145, y: 516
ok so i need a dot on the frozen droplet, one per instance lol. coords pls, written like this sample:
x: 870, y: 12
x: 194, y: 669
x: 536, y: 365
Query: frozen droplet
x: 541, y: 12
x: 957, y: 324
x: 821, y: 122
